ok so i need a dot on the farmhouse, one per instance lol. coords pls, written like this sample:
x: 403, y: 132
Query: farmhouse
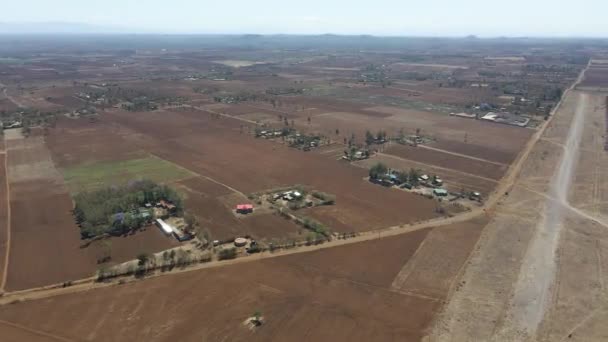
x: 244, y: 208
x: 166, y: 205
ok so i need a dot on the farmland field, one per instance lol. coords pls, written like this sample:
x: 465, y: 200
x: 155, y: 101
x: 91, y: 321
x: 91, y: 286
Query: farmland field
x: 323, y: 136
x: 93, y: 176
x: 348, y: 299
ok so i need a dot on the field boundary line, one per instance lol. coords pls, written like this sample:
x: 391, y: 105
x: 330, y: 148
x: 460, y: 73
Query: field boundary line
x: 196, y: 174
x: 438, y: 167
x: 35, y: 331
x: 8, y: 225
x: 461, y: 155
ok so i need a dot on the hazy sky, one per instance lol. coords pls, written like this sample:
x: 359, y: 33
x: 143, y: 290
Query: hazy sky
x: 380, y: 17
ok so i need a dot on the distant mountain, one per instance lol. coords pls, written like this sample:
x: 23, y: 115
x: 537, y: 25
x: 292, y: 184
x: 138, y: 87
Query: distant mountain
x: 57, y: 28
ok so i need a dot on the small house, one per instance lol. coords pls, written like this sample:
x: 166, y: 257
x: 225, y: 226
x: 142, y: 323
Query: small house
x: 440, y: 192
x: 244, y: 208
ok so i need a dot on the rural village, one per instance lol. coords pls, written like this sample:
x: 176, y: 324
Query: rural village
x: 369, y: 188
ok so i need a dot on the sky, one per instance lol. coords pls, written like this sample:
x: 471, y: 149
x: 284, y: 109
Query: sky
x: 376, y: 17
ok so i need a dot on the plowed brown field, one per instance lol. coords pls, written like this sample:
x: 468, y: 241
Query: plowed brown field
x: 302, y: 297
x: 215, y: 148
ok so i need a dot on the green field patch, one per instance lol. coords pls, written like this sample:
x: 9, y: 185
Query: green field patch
x: 103, y: 174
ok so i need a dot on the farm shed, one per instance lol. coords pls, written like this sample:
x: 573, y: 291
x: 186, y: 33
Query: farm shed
x: 440, y: 192
x: 165, y: 227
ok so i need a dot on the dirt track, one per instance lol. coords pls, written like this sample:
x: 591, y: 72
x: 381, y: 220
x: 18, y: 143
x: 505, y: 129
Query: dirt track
x: 6, y: 203
x: 514, y: 279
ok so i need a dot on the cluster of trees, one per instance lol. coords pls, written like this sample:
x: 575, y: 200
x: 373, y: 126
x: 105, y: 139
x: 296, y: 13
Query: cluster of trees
x: 140, y: 104
x: 206, y: 91
x: 320, y: 231
x: 227, y: 253
x: 552, y: 93
x: 326, y: 199
x: 375, y: 74
x: 284, y: 91
x: 370, y: 138
x: 381, y: 172
x: 115, y: 210
x: 137, y: 100
x: 29, y: 117
x: 244, y: 96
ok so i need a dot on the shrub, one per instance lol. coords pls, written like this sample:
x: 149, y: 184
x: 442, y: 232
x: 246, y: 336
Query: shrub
x: 227, y: 253
x: 326, y: 199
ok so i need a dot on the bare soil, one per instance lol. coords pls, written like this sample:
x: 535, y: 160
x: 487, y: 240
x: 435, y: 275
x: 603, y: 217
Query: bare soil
x: 449, y: 161
x: 343, y: 300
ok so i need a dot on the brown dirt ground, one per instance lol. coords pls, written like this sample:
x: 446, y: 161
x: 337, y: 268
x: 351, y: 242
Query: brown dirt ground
x: 302, y: 297
x: 74, y: 142
x: 443, y: 252
x: 596, y: 77
x: 12, y: 333
x: 215, y: 148
x: 45, y: 241
x: 449, y: 161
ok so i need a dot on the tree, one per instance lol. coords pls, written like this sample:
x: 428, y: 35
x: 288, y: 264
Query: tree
x: 402, y: 177
x: 142, y: 259
x: 377, y: 171
x: 227, y: 253
x: 190, y: 220
x: 337, y: 131
x: 369, y: 138
x: 309, y: 120
x: 413, y: 176
x: 381, y: 135
x: 257, y: 318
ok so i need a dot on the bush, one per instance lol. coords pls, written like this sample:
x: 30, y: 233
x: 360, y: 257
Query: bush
x: 227, y: 253
x: 326, y: 199
x: 315, y: 226
x: 377, y: 171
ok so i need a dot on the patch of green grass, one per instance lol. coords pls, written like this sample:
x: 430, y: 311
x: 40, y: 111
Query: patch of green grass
x: 97, y: 175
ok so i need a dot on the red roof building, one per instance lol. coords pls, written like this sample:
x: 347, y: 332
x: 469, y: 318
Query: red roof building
x: 244, y: 208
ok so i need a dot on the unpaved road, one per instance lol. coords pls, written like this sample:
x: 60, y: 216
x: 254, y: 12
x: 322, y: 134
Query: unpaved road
x: 510, y: 277
x: 9, y: 97
x: 537, y: 273
x: 8, y: 224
